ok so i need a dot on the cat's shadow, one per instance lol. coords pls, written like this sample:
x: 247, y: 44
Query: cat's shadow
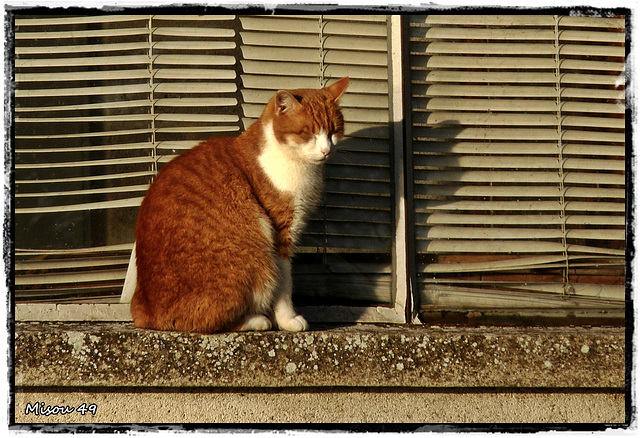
x: 354, y: 229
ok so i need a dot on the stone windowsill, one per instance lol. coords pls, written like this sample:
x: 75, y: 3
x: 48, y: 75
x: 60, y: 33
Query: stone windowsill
x: 116, y: 354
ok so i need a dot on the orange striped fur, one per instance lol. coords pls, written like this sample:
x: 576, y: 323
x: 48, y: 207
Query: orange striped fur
x: 217, y: 228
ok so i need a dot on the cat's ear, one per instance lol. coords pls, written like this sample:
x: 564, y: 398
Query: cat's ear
x: 285, y: 102
x: 338, y: 88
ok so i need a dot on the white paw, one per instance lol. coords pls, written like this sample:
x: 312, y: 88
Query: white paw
x: 295, y: 324
x: 256, y: 323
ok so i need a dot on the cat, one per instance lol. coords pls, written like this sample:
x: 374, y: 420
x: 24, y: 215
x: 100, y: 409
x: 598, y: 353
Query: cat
x: 217, y: 228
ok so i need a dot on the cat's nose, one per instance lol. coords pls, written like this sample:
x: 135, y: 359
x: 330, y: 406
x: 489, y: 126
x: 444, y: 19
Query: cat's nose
x: 326, y: 147
x: 326, y: 151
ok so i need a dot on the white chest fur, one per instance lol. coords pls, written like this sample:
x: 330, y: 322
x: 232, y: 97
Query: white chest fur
x: 291, y: 173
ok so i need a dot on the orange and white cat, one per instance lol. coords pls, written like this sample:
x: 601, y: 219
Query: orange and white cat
x: 217, y: 228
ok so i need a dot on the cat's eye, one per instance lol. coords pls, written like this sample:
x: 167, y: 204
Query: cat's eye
x: 306, y: 132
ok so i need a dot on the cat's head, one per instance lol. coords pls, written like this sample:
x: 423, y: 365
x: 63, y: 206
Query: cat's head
x: 307, y: 123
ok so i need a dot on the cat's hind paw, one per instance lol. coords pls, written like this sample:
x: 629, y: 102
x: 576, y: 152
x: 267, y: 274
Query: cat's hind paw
x: 295, y: 324
x: 256, y: 323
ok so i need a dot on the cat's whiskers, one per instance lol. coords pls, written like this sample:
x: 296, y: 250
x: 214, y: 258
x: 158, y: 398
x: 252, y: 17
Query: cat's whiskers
x: 341, y: 155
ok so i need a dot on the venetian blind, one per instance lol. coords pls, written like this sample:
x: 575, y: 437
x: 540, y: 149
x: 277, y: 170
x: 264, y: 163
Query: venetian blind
x: 345, y: 250
x: 519, y: 161
x: 100, y: 103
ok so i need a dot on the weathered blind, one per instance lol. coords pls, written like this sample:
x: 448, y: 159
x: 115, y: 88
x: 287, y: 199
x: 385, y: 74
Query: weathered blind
x: 100, y: 103
x: 103, y: 102
x: 346, y: 249
x: 519, y: 161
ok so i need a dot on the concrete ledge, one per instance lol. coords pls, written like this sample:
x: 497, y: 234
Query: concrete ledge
x: 79, y: 355
x: 307, y: 408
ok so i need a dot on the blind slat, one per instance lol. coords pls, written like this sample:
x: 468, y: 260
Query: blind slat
x: 97, y: 250
x: 520, y: 177
x: 85, y: 49
x: 30, y: 265
x: 531, y: 49
x: 519, y: 205
x: 537, y: 134
x: 76, y: 20
x: 127, y: 104
x: 83, y: 61
x: 108, y: 147
x: 84, y: 91
x: 120, y: 203
x: 194, y: 74
x: 523, y: 105
x: 462, y: 33
x: 448, y: 297
x: 117, y: 75
x: 197, y: 102
x: 483, y: 20
x: 197, y: 32
x: 194, y: 45
x: 182, y: 60
x: 469, y: 233
x: 515, y: 264
x: 595, y: 22
x: 100, y: 33
x: 521, y: 148
x: 477, y: 62
x: 439, y: 90
x: 86, y: 119
x: 439, y: 218
x: 101, y: 134
x: 196, y: 18
x: 286, y: 25
x: 108, y: 190
x: 280, y: 40
x: 600, y: 291
x: 502, y: 34
x: 72, y: 278
x: 438, y: 48
x: 512, y: 63
x: 507, y: 247
x: 515, y: 191
x: 508, y: 162
x: 506, y: 119
x: 196, y: 87
x: 88, y: 178
x: 488, y: 247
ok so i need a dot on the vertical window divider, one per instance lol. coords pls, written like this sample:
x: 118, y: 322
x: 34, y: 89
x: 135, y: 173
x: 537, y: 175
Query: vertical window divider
x: 403, y: 300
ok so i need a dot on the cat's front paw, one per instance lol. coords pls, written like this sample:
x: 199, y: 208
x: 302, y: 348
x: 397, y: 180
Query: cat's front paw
x: 295, y: 324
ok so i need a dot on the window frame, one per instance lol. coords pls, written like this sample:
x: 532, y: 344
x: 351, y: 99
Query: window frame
x: 404, y: 290
x: 471, y: 313
x: 401, y: 309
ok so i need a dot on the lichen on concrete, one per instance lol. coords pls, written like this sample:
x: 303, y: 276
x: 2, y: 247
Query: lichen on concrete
x: 120, y: 355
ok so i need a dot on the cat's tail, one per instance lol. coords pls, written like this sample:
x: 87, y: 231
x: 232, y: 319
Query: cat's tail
x: 131, y: 279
